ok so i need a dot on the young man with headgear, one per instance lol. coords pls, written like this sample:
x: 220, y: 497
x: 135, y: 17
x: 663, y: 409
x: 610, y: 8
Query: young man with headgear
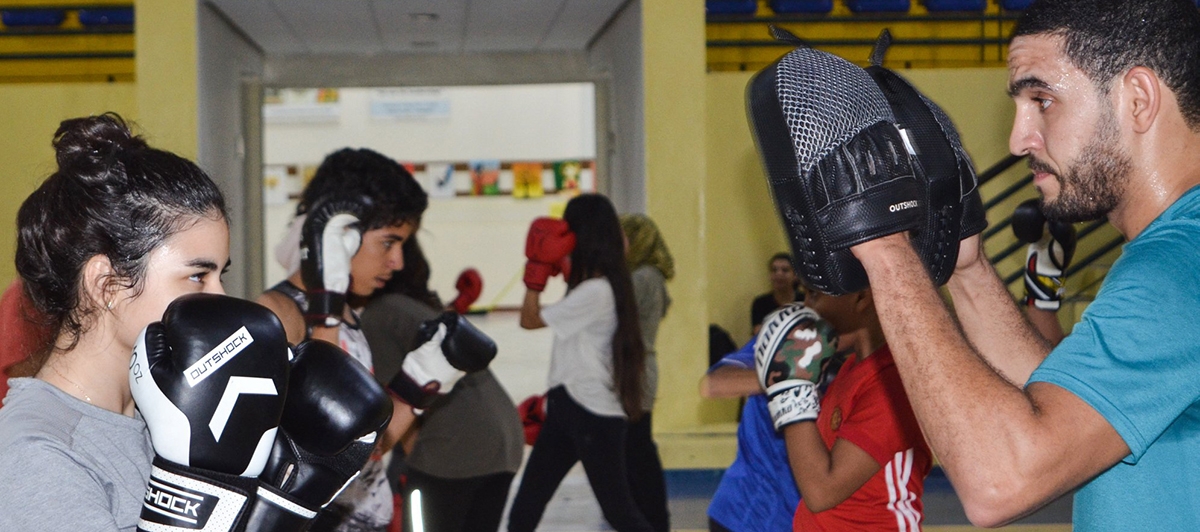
x: 347, y: 242
x: 1108, y: 110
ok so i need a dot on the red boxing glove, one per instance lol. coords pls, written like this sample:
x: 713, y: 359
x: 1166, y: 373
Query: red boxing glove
x: 549, y: 243
x: 533, y: 414
x: 469, y: 286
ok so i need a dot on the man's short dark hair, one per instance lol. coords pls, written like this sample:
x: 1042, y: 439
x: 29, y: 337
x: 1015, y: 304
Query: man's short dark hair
x: 1105, y: 38
x: 782, y: 255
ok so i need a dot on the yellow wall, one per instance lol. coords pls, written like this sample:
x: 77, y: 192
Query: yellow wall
x: 166, y: 74
x: 743, y: 230
x: 31, y: 116
x: 673, y: 73
x: 162, y: 101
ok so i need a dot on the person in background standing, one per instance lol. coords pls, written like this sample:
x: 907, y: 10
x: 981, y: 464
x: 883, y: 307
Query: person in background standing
x: 596, y: 362
x: 650, y: 266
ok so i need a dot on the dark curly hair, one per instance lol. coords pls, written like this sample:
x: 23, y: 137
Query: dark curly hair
x: 395, y: 196
x: 112, y: 195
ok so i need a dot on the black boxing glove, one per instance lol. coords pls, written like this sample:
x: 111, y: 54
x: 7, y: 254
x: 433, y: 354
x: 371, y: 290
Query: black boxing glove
x: 450, y: 347
x: 331, y: 419
x: 1051, y: 247
x: 330, y: 237
x: 210, y: 381
x: 954, y: 208
x: 837, y: 166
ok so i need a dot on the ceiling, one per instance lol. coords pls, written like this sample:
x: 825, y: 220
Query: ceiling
x: 371, y: 27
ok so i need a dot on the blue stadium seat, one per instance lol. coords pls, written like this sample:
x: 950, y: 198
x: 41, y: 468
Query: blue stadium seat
x: 1017, y: 5
x: 955, y: 5
x: 731, y: 7
x: 872, y: 6
x: 32, y: 17
x: 106, y: 17
x: 803, y: 6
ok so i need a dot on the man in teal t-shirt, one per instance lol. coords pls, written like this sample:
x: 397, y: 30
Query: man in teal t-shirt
x: 1134, y: 358
x: 1108, y: 112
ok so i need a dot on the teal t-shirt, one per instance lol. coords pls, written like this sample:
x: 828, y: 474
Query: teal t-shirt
x: 1135, y: 358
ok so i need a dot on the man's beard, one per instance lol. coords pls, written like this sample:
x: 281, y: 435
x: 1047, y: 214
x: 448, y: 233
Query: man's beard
x: 1091, y: 187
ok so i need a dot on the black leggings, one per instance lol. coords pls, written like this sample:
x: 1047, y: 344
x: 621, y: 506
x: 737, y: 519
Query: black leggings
x: 454, y: 505
x: 645, y: 472
x: 573, y: 434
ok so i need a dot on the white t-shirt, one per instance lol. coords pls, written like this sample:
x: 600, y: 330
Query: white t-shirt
x: 581, y: 355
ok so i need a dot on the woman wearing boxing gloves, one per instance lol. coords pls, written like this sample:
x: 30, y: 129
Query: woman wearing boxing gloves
x: 596, y: 363
x: 116, y: 233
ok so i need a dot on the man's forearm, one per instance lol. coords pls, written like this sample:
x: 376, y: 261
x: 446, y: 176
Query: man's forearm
x: 979, y: 424
x: 994, y: 325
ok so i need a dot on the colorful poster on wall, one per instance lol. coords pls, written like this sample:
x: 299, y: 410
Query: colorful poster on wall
x: 439, y: 180
x: 485, y: 177
x: 527, y: 180
x: 566, y: 175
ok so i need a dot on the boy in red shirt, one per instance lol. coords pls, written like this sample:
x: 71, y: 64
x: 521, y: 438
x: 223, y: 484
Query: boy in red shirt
x: 857, y: 453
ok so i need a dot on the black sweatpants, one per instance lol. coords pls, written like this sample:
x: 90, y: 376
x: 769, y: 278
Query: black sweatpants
x: 457, y: 505
x: 573, y: 434
x: 645, y: 470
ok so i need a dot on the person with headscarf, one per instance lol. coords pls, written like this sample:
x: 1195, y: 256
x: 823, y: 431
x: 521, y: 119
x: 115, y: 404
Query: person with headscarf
x: 651, y: 266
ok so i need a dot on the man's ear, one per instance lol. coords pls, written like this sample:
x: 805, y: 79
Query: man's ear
x: 98, y: 286
x: 1141, y: 92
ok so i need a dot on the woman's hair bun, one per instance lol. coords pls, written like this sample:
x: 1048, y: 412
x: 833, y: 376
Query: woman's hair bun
x: 93, y: 141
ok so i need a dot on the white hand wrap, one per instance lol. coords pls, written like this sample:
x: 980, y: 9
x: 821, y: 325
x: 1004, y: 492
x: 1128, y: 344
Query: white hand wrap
x: 792, y: 401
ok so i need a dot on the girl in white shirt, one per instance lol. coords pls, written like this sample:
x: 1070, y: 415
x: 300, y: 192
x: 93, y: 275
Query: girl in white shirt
x: 596, y: 372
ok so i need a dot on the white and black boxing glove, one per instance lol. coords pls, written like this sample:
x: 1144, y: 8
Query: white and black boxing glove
x: 210, y: 380
x: 1051, y: 247
x: 450, y: 347
x: 330, y: 237
x: 331, y: 419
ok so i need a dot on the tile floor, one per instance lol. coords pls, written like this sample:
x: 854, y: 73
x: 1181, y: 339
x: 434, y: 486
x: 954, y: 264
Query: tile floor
x: 521, y: 367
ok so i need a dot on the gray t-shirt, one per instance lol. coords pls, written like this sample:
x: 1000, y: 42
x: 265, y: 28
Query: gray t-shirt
x: 472, y: 431
x: 68, y: 465
x: 650, y: 292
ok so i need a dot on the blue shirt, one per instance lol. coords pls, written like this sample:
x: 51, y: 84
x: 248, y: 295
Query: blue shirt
x: 757, y: 492
x: 1135, y: 358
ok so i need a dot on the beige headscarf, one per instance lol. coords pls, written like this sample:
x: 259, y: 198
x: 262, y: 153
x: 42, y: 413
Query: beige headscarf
x: 646, y: 245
